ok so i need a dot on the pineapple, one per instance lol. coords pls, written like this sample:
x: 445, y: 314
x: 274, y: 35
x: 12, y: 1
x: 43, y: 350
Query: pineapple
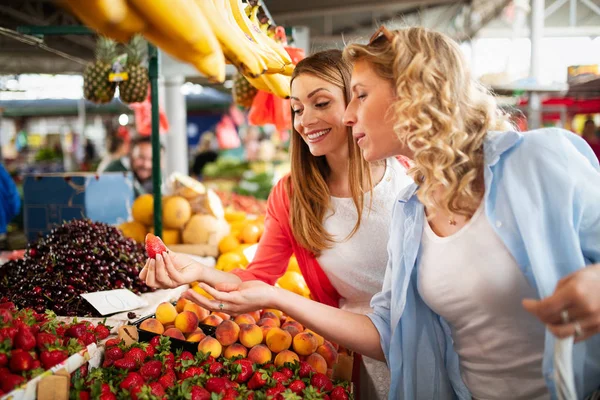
x: 96, y: 86
x: 243, y: 92
x: 135, y: 89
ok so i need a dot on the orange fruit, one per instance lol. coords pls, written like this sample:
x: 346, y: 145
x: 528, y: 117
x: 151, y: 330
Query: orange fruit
x: 251, y: 234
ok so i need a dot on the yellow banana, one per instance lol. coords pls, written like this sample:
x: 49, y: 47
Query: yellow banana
x: 288, y: 70
x: 264, y: 38
x: 180, y: 20
x: 274, y: 62
x: 278, y: 84
x: 234, y: 46
x: 212, y: 65
x: 111, y: 18
x: 258, y: 83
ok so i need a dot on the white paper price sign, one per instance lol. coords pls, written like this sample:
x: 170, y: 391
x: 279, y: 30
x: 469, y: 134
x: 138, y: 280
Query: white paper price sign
x: 114, y: 301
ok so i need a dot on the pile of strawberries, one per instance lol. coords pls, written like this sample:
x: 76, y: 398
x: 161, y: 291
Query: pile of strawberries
x: 31, y: 343
x: 152, y: 371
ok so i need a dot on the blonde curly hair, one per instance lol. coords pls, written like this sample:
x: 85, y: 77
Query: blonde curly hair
x: 441, y: 113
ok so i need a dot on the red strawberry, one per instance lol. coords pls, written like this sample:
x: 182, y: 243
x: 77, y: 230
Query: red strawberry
x: 107, y: 396
x: 157, y: 389
x: 113, y: 354
x: 305, y: 369
x: 76, y: 330
x: 36, y: 364
x: 186, y: 355
x: 274, y: 391
x: 169, y: 361
x: 287, y: 372
x: 88, y: 338
x: 192, y: 371
x: 297, y: 386
x: 279, y: 377
x: 9, y: 332
x: 230, y: 394
x: 102, y: 331
x: 132, y: 380
x: 44, y: 340
x: 245, y: 371
x: 154, y: 245
x: 136, y: 354
x: 258, y: 379
x: 5, y: 316
x: 199, y: 393
x: 3, y: 359
x: 10, y: 381
x: 21, y: 361
x: 4, y: 371
x: 322, y: 382
x: 107, y: 363
x: 150, y: 352
x: 24, y: 339
x: 155, y: 341
x: 128, y: 364
x: 114, y: 342
x: 105, y: 388
x: 50, y: 358
x: 151, y: 370
x: 9, y: 305
x: 84, y: 395
x: 339, y: 393
x: 216, y: 385
x: 168, y: 379
x: 208, y: 361
x: 83, y: 370
x: 215, y: 368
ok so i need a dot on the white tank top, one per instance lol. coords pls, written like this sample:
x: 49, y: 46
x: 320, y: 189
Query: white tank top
x: 472, y: 281
x: 356, y: 267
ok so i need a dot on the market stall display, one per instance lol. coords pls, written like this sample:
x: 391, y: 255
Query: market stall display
x: 77, y: 257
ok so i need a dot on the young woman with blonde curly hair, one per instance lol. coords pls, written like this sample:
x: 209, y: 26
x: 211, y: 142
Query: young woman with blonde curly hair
x: 494, y: 250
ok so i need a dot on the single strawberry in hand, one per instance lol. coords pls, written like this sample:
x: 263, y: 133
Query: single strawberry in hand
x: 154, y: 245
x: 339, y: 393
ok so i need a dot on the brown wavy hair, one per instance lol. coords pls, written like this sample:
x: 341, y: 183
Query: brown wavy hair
x: 441, y: 113
x: 310, y: 197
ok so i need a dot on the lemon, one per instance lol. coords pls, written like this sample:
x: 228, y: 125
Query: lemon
x: 294, y: 282
x: 228, y: 243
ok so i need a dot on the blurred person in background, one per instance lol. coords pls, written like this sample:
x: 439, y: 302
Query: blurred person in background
x: 206, y: 154
x: 139, y: 162
x: 11, y: 204
x: 118, y: 147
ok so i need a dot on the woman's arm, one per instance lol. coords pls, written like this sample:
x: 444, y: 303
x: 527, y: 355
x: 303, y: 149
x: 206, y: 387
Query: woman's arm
x: 353, y: 331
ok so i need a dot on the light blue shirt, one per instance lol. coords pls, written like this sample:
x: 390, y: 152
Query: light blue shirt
x: 543, y: 199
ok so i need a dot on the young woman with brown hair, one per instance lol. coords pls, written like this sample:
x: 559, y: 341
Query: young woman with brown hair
x: 333, y: 211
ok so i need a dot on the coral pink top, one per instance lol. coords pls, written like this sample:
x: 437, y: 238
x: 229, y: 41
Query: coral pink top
x: 276, y: 246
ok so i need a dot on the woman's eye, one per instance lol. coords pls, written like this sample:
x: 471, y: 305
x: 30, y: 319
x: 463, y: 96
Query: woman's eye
x: 361, y: 96
x: 296, y: 111
x: 322, y: 105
